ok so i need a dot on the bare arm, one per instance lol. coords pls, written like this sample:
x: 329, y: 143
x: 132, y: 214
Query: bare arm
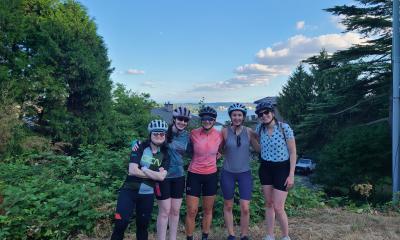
x: 291, y: 144
x: 158, y: 176
x: 135, y: 171
x: 254, y: 140
x: 222, y: 145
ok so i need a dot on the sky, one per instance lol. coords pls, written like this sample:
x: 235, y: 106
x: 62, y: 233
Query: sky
x: 225, y: 51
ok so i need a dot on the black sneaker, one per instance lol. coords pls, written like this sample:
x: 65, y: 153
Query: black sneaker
x: 230, y: 237
x: 244, y: 238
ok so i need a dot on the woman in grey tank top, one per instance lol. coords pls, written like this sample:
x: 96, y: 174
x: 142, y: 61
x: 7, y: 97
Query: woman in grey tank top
x: 236, y: 168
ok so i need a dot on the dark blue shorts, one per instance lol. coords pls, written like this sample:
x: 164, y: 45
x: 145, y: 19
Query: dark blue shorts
x: 274, y: 173
x: 228, y: 182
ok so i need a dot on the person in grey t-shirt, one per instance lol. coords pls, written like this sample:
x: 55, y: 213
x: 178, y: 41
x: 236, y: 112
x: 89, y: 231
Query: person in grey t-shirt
x: 236, y: 168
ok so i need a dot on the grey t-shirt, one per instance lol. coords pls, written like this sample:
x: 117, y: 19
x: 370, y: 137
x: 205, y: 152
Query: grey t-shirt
x: 237, y: 151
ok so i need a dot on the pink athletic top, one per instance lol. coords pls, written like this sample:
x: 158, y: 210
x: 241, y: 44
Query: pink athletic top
x: 205, y: 149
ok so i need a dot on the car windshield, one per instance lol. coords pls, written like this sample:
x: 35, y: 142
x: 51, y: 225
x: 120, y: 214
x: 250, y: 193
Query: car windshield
x: 305, y: 161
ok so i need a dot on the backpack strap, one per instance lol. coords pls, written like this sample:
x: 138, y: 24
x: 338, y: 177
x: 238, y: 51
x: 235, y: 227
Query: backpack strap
x: 283, y: 131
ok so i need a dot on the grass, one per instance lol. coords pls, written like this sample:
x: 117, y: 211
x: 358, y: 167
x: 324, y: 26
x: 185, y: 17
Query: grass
x: 313, y: 224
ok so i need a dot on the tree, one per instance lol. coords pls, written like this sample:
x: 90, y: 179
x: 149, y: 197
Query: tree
x: 55, y: 65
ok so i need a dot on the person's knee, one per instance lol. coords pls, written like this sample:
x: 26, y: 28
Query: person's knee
x: 164, y: 211
x: 208, y: 211
x: 228, y: 206
x: 174, y: 212
x: 269, y: 204
x: 244, y: 209
x: 279, y: 209
x: 192, y: 212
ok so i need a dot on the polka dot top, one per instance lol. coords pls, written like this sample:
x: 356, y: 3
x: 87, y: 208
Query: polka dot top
x: 274, y: 148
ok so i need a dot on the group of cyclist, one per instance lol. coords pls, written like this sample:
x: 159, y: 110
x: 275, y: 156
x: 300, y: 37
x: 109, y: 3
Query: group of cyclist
x: 156, y: 168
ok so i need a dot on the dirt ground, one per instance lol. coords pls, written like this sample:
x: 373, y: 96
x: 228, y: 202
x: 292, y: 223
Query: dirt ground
x: 324, y: 224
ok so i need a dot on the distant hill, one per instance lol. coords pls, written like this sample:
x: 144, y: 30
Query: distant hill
x: 219, y: 106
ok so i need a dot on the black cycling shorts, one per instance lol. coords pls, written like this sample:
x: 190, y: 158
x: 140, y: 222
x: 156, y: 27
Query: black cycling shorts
x: 274, y: 173
x: 171, y: 188
x: 201, y: 184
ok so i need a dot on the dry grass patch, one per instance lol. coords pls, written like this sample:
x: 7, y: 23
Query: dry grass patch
x: 318, y: 224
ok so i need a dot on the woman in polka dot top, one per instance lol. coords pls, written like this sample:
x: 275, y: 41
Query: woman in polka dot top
x: 276, y: 172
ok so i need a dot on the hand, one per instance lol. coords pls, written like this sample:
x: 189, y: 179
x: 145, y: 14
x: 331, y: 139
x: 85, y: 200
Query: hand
x: 163, y: 173
x: 289, y: 183
x: 135, y: 147
x: 161, y: 169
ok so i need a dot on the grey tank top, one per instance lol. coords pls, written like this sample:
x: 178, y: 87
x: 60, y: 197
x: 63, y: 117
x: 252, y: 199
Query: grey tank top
x: 237, y: 159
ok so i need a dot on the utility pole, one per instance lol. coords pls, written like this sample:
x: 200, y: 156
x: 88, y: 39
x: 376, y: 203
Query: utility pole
x: 395, y: 100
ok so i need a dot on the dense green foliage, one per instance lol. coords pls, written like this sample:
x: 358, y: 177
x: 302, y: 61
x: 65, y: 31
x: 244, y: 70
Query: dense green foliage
x: 55, y: 66
x: 48, y: 196
x: 55, y: 78
x: 340, y: 107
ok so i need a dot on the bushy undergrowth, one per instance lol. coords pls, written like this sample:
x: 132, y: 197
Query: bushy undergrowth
x: 48, y: 196
x: 52, y: 197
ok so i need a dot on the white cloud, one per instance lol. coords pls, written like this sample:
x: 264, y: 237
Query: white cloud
x: 336, y: 20
x: 149, y: 84
x: 300, y: 25
x: 300, y: 47
x: 134, y: 72
x: 236, y: 82
x: 279, y: 60
x: 260, y: 69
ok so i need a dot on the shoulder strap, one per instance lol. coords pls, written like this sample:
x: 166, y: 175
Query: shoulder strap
x: 261, y: 128
x: 282, y: 130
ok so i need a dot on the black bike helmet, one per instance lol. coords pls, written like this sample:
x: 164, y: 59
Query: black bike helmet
x: 209, y: 111
x: 264, y: 106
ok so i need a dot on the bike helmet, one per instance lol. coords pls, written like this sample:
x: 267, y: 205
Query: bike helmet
x: 157, y: 125
x: 181, y: 112
x: 208, y: 111
x: 263, y: 106
x: 237, y: 107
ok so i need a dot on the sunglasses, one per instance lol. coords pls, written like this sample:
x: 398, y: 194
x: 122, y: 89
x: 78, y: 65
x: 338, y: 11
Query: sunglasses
x: 266, y: 112
x: 210, y: 119
x: 156, y: 134
x: 183, y: 119
x: 238, y: 141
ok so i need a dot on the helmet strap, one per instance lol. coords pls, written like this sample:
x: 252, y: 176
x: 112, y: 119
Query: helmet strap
x: 154, y: 145
x: 207, y: 129
x: 175, y: 128
x: 269, y: 123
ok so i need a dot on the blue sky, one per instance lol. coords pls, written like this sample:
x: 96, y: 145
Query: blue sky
x: 180, y: 51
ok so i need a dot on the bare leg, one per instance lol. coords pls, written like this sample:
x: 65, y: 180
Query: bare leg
x: 228, y: 216
x: 164, y: 207
x: 244, y: 217
x: 174, y: 217
x: 269, y: 209
x: 279, y: 198
x: 208, y: 204
x: 192, y: 204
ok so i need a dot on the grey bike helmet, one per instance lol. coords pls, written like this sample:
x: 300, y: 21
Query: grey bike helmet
x: 157, y: 125
x: 237, y: 107
x: 181, y: 112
